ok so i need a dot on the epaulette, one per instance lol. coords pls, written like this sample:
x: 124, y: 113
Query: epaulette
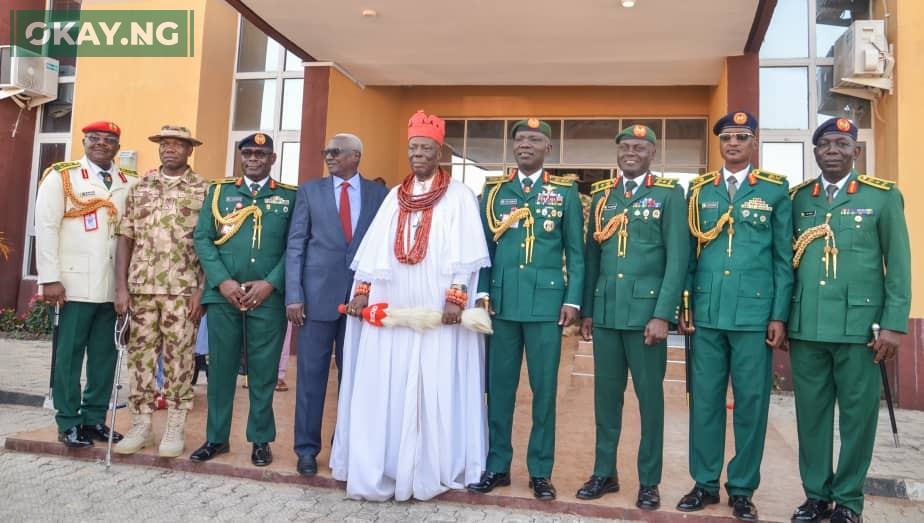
x: 699, y: 181
x: 603, y: 185
x: 287, y: 186
x: 491, y: 180
x: 768, y: 176
x: 561, y: 180
x: 878, y: 183
x: 63, y: 166
x: 217, y: 181
x: 129, y: 172
x: 806, y: 183
x: 667, y: 183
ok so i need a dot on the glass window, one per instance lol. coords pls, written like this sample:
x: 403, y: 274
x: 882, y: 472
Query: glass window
x: 553, y: 158
x: 292, y: 89
x: 56, y: 115
x: 453, y: 142
x: 256, y: 51
x: 784, y: 97
x: 831, y: 105
x: 684, y: 174
x: 475, y: 175
x: 654, y: 125
x: 787, y: 35
x: 685, y: 142
x: 832, y: 19
x: 254, y: 105
x: 49, y: 153
x: 288, y: 168
x: 293, y: 63
x: 485, y: 141
x: 590, y: 141
x: 785, y: 158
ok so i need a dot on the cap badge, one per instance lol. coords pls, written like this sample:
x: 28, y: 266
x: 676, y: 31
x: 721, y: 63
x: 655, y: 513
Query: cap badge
x: 259, y: 139
x: 533, y: 123
x: 640, y: 131
x: 843, y: 125
x: 740, y: 118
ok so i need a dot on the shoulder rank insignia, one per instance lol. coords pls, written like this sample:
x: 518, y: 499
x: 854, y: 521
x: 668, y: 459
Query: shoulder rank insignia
x: 491, y: 180
x: 878, y: 183
x: 561, y: 180
x: 603, y: 185
x: 129, y: 172
x: 699, y: 181
x: 217, y: 181
x: 806, y: 183
x: 769, y: 176
x: 63, y: 166
x: 287, y: 186
x: 667, y: 183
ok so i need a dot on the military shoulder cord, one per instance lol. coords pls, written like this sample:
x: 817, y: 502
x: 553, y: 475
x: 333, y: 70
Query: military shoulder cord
x: 813, y: 233
x: 84, y: 207
x: 619, y: 222
x: 499, y: 227
x: 704, y: 237
x: 235, y: 219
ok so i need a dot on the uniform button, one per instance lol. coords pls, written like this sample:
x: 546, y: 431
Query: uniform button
x: 521, y: 265
x: 650, y: 292
x: 552, y: 283
x: 867, y: 300
x: 822, y: 283
x: 728, y: 273
x: 522, y: 245
x: 253, y: 260
x: 526, y: 204
x: 758, y: 295
x: 619, y: 275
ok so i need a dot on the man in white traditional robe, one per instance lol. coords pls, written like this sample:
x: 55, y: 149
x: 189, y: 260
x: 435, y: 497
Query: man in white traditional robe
x: 411, y: 419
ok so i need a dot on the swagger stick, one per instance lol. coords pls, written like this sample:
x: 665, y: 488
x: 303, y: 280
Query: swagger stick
x: 888, y: 390
x: 244, y: 339
x: 687, y: 345
x: 50, y: 398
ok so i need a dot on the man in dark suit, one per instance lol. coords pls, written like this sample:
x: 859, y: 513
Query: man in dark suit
x: 328, y: 225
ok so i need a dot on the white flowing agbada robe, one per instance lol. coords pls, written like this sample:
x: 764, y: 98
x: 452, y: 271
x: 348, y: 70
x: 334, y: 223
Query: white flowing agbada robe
x: 411, y: 416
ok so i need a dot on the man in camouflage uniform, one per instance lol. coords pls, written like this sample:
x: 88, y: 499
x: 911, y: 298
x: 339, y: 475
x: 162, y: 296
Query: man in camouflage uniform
x: 159, y: 279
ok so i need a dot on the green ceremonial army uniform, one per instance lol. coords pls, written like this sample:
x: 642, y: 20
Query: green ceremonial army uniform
x: 866, y: 280
x: 635, y: 271
x: 526, y: 235
x: 247, y: 254
x: 741, y: 281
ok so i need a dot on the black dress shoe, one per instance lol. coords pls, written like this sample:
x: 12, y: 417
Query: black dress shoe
x: 543, y: 490
x: 648, y: 498
x: 489, y: 481
x: 843, y: 514
x: 597, y: 486
x: 74, y: 438
x: 742, y: 508
x: 262, y: 455
x: 697, y: 499
x: 209, y: 450
x: 307, y: 465
x: 812, y: 510
x: 100, y: 432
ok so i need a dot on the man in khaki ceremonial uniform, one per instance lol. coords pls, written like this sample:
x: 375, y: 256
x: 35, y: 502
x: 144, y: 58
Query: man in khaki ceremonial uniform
x: 853, y: 270
x: 741, y: 286
x: 635, y: 257
x: 78, y: 206
x: 159, y: 279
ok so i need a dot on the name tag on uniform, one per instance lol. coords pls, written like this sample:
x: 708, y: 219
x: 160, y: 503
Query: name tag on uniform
x: 89, y: 222
x: 508, y: 201
x: 709, y: 205
x: 806, y: 214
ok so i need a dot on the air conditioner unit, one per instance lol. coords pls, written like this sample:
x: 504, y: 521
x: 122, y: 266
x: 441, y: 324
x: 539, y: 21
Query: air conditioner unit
x: 863, y: 61
x: 32, y: 80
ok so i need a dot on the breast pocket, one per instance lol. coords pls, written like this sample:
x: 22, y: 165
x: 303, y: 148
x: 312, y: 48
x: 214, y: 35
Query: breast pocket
x: 855, y: 231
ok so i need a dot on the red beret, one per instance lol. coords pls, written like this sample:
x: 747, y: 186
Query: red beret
x: 102, y: 126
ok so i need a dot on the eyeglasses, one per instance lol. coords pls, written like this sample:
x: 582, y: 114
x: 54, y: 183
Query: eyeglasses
x: 738, y: 136
x: 334, y: 151
x: 104, y: 138
x: 259, y: 154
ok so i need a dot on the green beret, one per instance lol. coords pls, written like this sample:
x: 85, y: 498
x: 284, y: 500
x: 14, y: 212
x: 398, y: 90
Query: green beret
x: 639, y: 132
x: 532, y: 124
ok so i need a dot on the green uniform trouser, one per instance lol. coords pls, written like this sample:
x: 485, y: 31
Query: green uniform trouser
x: 615, y: 353
x: 746, y: 357
x: 821, y: 374
x: 543, y: 352
x: 84, y: 328
x: 266, y: 327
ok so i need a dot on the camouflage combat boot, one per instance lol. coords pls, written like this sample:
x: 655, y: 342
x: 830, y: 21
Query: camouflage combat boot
x: 172, y: 444
x: 138, y: 437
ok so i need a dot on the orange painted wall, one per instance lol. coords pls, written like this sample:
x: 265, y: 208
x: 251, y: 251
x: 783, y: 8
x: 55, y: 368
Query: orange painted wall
x: 897, y: 133
x: 718, y: 107
x: 142, y: 94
